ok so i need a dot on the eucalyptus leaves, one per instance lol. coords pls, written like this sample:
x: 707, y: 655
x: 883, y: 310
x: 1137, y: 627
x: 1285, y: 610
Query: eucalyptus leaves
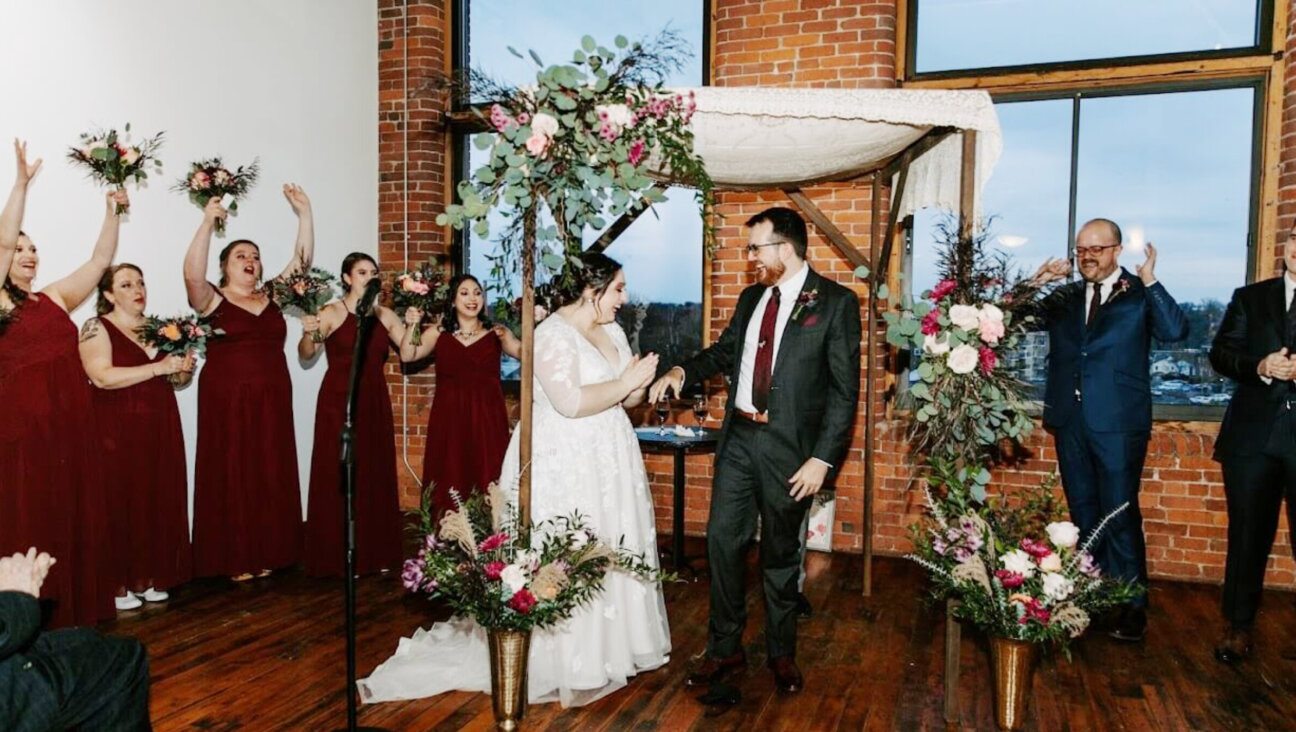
x: 592, y: 138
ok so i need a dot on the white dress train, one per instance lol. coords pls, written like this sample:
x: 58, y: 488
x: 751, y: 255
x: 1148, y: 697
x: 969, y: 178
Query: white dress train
x: 588, y: 464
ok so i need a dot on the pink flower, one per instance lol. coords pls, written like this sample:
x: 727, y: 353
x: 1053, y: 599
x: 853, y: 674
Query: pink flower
x: 418, y: 288
x: 537, y: 144
x: 199, y: 181
x: 942, y: 288
x: 499, y: 118
x: 130, y: 155
x: 636, y: 152
x: 523, y: 118
x: 931, y: 323
x: 493, y: 569
x: 522, y: 601
x: 1036, y: 549
x: 412, y: 575
x: 987, y: 358
x: 991, y: 331
x: 608, y: 132
x: 1009, y: 579
x: 492, y: 542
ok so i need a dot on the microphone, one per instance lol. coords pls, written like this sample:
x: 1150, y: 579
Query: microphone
x: 372, y: 289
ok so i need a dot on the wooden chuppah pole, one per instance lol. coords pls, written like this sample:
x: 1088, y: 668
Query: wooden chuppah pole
x: 528, y: 366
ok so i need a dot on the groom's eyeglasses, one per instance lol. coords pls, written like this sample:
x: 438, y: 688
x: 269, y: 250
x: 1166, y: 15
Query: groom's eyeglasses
x: 751, y: 248
x: 1085, y: 251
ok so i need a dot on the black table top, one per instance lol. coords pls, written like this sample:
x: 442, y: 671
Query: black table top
x: 653, y: 436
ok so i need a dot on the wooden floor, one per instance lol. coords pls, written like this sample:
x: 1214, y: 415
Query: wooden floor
x: 269, y: 655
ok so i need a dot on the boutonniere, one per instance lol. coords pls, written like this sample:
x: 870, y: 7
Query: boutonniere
x: 1121, y: 287
x: 806, y: 300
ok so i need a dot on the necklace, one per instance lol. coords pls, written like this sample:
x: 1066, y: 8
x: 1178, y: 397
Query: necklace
x: 466, y: 334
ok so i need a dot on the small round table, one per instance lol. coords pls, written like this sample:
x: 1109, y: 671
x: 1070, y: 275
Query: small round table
x: 703, y: 441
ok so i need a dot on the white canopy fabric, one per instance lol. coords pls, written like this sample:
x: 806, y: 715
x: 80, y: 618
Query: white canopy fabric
x: 761, y: 138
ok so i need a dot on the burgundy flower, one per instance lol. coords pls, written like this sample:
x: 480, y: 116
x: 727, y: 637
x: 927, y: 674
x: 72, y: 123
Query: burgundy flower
x: 522, y: 601
x: 493, y: 569
x: 1037, y: 549
x: 942, y: 288
x: 1009, y: 579
x: 492, y: 542
x: 931, y: 323
x: 636, y: 152
x: 987, y: 358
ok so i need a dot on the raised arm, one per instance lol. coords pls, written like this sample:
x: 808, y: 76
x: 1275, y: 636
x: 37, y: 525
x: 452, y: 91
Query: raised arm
x: 72, y: 290
x: 392, y: 324
x: 304, y: 249
x: 430, y: 334
x: 202, y: 296
x: 96, y: 359
x: 11, y: 217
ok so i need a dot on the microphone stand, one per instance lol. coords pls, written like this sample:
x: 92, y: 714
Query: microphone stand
x: 364, y: 320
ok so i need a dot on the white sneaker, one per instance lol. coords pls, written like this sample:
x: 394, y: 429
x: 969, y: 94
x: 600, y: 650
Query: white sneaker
x: 129, y: 602
x: 152, y: 595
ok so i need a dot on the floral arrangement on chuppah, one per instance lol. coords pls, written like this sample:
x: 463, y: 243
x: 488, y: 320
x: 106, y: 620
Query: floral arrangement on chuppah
x: 1019, y: 571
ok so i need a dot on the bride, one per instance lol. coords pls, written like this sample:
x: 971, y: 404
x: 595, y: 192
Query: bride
x: 585, y: 458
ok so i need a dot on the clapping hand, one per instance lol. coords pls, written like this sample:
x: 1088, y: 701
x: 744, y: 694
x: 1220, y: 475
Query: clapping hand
x: 1052, y: 270
x: 640, y: 372
x: 26, y: 171
x: 1145, y: 270
x: 1278, y: 365
x: 25, y: 572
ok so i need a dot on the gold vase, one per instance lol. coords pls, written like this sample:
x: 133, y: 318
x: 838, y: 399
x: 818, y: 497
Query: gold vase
x: 508, y: 664
x: 1013, y: 665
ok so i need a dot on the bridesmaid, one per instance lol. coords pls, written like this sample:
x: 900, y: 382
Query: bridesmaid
x: 51, y: 481
x: 247, y: 497
x: 143, y: 458
x: 377, y: 506
x: 468, y: 425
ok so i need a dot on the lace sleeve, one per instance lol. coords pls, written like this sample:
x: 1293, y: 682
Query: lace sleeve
x: 557, y: 368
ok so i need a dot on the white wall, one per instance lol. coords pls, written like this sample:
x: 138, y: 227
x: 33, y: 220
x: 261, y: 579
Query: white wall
x: 292, y: 81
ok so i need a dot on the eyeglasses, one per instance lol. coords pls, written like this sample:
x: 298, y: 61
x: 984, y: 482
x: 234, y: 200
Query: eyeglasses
x: 1084, y: 251
x: 751, y: 248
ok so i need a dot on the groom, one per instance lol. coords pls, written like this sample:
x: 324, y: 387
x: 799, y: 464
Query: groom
x: 792, y: 356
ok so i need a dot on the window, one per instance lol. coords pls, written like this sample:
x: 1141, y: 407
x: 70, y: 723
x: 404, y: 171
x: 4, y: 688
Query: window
x: 662, y: 251
x: 1175, y: 168
x: 955, y: 35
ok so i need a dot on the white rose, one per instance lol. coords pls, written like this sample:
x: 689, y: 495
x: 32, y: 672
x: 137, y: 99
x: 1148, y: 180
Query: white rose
x: 529, y: 559
x: 989, y: 314
x: 1019, y: 562
x: 513, y: 578
x: 618, y: 114
x: 545, y: 124
x: 963, y: 359
x: 1063, y: 534
x: 1057, y: 587
x: 966, y: 317
x: 1051, y: 563
x: 935, y: 347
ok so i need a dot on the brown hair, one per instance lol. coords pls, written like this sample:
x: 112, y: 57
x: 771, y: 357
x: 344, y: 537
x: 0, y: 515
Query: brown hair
x: 102, y: 306
x: 225, y: 253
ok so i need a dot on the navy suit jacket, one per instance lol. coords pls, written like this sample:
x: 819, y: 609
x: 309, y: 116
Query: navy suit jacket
x: 1107, y: 360
x: 1253, y: 327
x: 814, y: 389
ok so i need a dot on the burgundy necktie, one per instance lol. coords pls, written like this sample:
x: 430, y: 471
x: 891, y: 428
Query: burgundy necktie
x: 765, y: 354
x: 1094, y: 303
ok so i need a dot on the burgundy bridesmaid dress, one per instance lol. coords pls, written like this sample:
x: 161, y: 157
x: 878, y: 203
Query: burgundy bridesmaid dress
x: 468, y: 425
x: 144, y: 466
x: 51, y: 476
x: 247, y: 499
x: 377, y: 507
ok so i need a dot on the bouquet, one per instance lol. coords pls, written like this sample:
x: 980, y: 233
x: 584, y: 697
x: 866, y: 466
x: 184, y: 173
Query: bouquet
x: 480, y: 560
x: 112, y: 160
x: 181, y: 334
x: 208, y: 179
x: 1017, y: 567
x: 424, y: 289
x: 966, y: 402
x: 305, y: 291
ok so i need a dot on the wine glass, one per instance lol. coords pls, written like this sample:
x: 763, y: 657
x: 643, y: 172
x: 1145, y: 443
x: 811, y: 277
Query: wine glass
x: 662, y: 407
x: 700, y: 412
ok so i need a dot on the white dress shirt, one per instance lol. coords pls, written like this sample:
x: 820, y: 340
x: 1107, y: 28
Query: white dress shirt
x: 1108, y: 287
x: 789, y: 290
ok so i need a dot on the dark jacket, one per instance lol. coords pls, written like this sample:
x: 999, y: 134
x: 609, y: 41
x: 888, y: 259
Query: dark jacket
x: 1253, y: 327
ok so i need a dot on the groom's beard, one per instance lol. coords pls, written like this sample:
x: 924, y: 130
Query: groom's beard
x: 771, y: 274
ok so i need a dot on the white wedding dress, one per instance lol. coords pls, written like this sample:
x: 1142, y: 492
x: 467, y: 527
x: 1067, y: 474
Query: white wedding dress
x: 588, y: 464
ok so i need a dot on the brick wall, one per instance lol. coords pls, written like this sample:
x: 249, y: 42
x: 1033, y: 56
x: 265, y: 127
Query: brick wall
x: 843, y: 44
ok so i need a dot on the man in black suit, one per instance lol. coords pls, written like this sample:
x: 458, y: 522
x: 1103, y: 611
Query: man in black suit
x: 1257, y: 440
x: 63, y: 679
x: 792, y: 355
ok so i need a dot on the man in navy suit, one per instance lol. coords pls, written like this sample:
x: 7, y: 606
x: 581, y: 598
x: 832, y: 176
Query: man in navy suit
x: 72, y: 678
x: 792, y: 355
x: 1257, y: 440
x: 1098, y: 399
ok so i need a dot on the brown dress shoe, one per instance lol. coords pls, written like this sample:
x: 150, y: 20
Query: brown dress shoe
x: 787, y: 677
x: 710, y: 670
x: 1235, y: 646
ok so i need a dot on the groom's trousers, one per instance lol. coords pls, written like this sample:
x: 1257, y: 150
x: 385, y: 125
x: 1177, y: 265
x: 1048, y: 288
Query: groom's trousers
x: 751, y: 478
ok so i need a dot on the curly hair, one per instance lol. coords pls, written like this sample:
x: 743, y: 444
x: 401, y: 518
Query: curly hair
x: 595, y: 271
x: 449, y: 317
